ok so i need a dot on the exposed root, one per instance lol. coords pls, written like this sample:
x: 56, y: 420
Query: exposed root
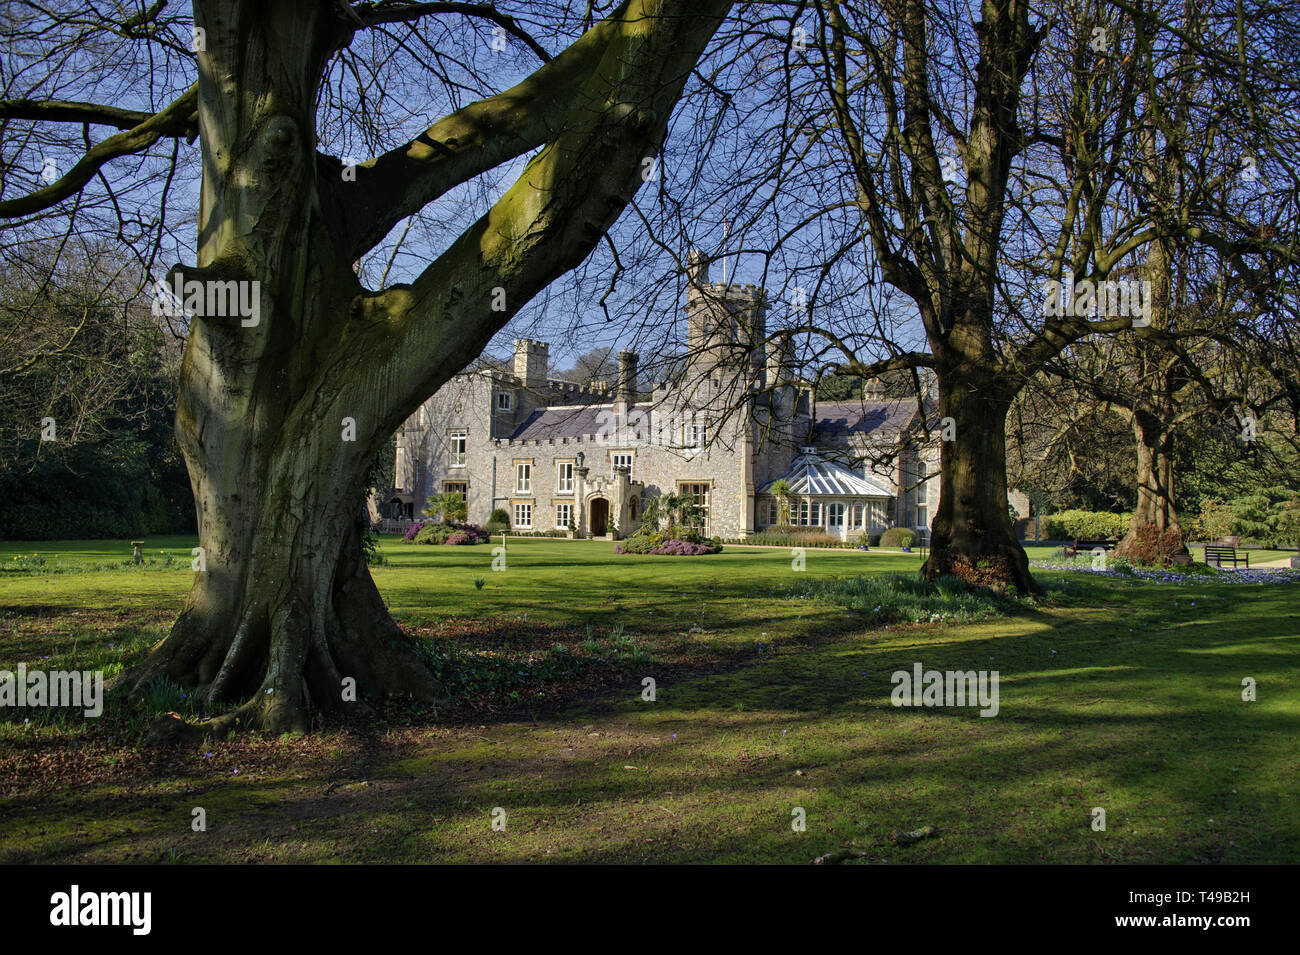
x: 1000, y: 571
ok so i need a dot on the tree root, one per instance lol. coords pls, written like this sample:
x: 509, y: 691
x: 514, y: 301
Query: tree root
x: 998, y: 571
x: 896, y: 838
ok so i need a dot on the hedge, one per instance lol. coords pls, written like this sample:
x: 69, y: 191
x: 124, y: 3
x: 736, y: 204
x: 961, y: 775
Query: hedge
x: 1086, y: 525
x: 898, y: 537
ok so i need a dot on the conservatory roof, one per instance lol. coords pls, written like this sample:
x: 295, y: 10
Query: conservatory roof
x: 812, y: 475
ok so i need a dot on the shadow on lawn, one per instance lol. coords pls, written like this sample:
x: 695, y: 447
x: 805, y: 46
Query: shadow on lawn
x: 1149, y: 724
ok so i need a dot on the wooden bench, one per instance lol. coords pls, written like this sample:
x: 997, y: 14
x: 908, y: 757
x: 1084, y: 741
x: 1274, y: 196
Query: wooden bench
x: 1216, y: 554
x: 1088, y: 546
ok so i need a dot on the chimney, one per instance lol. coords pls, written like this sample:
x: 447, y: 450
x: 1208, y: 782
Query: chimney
x: 780, y: 361
x: 626, y: 396
x: 531, y: 359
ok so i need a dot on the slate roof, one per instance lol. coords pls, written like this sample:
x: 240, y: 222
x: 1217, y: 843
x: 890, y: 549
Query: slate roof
x: 573, y: 421
x: 836, y: 419
x: 811, y: 474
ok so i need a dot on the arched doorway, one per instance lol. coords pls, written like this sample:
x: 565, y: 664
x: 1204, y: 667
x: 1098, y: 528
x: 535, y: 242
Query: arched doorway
x: 599, y: 516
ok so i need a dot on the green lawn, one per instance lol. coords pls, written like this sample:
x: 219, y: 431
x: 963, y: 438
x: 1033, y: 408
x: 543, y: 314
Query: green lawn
x: 1118, y: 694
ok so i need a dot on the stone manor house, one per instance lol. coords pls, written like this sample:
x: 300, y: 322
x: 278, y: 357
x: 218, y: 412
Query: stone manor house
x: 733, y: 420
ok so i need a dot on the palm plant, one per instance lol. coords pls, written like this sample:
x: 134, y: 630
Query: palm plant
x: 667, y: 506
x: 448, y: 507
x: 651, y: 514
x: 687, y: 511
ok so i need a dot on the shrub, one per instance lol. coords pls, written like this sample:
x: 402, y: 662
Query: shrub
x: 793, y: 535
x: 1287, y: 522
x: 898, y: 537
x: 638, y: 543
x: 1270, y: 517
x: 438, y: 533
x: 1086, y: 525
x: 493, y: 528
x: 683, y: 548
x: 433, y: 532
x: 662, y: 543
x: 413, y: 530
x: 499, y: 515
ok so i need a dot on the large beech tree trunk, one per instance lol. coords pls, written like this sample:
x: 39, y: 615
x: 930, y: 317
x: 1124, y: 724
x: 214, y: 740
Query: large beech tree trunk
x: 972, y: 536
x: 1156, y: 517
x: 283, y: 609
x: 279, y: 420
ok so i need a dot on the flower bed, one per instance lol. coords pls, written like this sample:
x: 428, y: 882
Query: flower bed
x: 674, y: 542
x: 432, y: 532
x: 1193, y: 574
x: 681, y: 548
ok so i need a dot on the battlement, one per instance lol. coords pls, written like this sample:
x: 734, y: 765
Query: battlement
x: 531, y: 360
x: 726, y: 291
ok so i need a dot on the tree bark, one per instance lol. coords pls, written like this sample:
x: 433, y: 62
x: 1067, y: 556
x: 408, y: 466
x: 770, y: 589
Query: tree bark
x: 1156, y: 515
x: 972, y: 535
x: 279, y: 419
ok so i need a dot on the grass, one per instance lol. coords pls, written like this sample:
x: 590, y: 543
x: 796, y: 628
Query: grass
x: 771, y: 693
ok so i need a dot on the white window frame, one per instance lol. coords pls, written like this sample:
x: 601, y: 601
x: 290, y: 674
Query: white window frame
x: 505, y: 401
x: 695, y: 434
x: 458, y: 456
x: 523, y: 477
x: 702, y: 509
x: 810, y: 513
x: 518, y: 512
x: 564, y: 485
x: 615, y: 460
x: 562, y: 521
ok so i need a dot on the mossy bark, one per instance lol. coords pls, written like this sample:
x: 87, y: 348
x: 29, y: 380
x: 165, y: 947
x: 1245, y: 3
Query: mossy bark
x: 280, y: 417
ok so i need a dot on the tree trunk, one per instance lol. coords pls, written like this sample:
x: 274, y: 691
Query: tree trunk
x: 1155, y: 520
x: 284, y: 610
x: 280, y: 414
x: 972, y: 534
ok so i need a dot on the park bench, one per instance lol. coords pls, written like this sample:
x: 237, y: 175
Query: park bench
x: 1217, y: 554
x: 1088, y: 546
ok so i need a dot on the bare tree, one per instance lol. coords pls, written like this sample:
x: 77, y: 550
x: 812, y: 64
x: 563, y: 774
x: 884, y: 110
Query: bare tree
x: 984, y: 180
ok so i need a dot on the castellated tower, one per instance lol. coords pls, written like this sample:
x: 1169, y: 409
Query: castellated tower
x: 531, y: 360
x: 725, y: 326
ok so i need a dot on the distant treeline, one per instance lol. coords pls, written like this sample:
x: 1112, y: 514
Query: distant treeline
x: 87, y: 384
